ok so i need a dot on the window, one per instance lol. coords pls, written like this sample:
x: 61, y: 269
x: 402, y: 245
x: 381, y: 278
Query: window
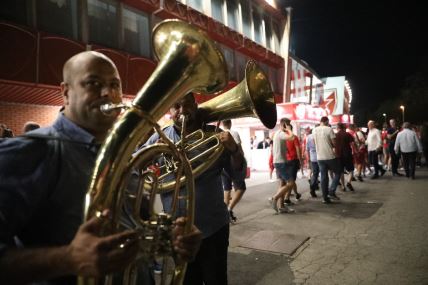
x: 268, y: 28
x: 232, y: 14
x: 230, y: 60
x: 17, y: 11
x: 246, y: 19
x: 264, y: 67
x: 258, y: 27
x: 52, y: 12
x: 196, y: 4
x: 241, y: 62
x: 103, y: 23
x: 136, y: 32
x: 276, y: 37
x: 273, y: 78
x: 217, y: 10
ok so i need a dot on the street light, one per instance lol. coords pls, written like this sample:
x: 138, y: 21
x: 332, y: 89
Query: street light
x: 384, y: 116
x: 402, y: 112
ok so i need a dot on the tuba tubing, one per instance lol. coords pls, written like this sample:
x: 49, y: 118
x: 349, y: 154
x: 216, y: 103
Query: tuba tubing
x: 189, y: 61
x: 252, y: 97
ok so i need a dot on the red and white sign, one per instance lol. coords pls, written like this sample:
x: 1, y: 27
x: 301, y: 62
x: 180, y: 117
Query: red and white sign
x: 300, y: 112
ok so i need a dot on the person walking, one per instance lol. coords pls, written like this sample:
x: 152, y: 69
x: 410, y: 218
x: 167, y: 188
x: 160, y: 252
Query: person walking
x: 374, y: 146
x: 238, y: 182
x: 392, y: 131
x: 408, y: 144
x: 294, y: 164
x: 282, y: 172
x: 312, y: 155
x: 344, y: 148
x: 324, y: 138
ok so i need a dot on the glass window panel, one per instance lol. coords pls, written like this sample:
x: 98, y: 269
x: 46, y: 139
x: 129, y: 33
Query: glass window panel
x: 264, y: 67
x: 258, y: 27
x: 273, y: 77
x: 268, y: 27
x: 196, y: 4
x: 276, y: 37
x: 136, y: 32
x: 232, y: 14
x: 217, y: 10
x: 230, y: 60
x: 17, y: 11
x: 271, y: 74
x: 246, y: 19
x: 52, y: 12
x: 103, y: 28
x: 241, y: 62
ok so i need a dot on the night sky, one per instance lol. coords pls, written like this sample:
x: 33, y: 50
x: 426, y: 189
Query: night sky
x: 376, y: 44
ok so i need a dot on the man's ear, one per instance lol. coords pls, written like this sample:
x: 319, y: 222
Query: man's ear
x: 64, y: 93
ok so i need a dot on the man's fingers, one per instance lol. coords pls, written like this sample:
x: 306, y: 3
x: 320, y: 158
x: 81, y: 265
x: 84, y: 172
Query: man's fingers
x: 180, y: 222
x: 94, y: 224
x: 116, y: 259
x: 187, y: 246
x: 119, y: 240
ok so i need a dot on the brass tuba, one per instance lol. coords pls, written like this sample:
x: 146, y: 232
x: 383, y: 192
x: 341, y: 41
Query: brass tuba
x: 252, y: 97
x: 188, y: 61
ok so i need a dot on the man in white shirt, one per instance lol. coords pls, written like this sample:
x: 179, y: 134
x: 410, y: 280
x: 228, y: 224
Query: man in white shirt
x: 408, y: 144
x: 324, y: 138
x: 374, y: 146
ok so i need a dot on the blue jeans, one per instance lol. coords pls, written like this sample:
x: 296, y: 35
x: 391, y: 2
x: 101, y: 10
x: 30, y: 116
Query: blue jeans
x: 314, y: 177
x: 325, y: 166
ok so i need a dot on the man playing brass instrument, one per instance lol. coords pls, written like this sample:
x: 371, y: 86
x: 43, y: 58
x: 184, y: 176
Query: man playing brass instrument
x: 211, y: 214
x: 43, y: 181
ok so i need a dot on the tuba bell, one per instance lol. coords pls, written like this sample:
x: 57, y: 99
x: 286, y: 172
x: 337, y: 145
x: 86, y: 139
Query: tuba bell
x: 252, y: 97
x: 188, y: 61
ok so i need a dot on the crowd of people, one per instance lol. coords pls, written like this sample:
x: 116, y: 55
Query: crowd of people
x: 334, y: 153
x: 44, y: 176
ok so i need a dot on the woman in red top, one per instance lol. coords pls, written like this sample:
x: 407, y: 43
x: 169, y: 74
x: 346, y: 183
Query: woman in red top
x: 294, y: 163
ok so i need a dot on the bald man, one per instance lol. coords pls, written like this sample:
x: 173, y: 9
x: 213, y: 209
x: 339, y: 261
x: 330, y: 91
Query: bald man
x: 44, y: 177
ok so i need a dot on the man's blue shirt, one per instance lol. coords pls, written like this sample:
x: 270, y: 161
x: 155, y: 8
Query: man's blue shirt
x: 210, y: 210
x: 44, y: 176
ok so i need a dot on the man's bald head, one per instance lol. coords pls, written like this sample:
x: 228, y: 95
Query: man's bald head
x: 91, y: 80
x: 79, y: 60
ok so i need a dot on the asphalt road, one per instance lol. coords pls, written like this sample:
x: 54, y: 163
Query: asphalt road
x: 375, y: 235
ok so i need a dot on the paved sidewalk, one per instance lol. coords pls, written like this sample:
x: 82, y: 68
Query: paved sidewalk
x: 377, y: 235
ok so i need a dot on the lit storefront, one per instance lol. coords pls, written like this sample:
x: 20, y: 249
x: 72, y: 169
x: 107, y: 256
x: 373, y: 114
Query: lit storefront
x: 309, y: 98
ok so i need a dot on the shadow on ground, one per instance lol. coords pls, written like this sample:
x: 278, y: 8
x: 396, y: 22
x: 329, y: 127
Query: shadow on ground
x: 346, y: 209
x: 259, y: 267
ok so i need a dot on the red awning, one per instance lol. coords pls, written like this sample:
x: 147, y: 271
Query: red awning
x: 30, y: 93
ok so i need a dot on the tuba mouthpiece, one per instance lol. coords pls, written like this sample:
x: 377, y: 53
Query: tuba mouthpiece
x: 108, y: 108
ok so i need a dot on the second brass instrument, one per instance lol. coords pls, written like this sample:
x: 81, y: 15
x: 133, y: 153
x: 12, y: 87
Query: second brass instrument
x: 252, y: 97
